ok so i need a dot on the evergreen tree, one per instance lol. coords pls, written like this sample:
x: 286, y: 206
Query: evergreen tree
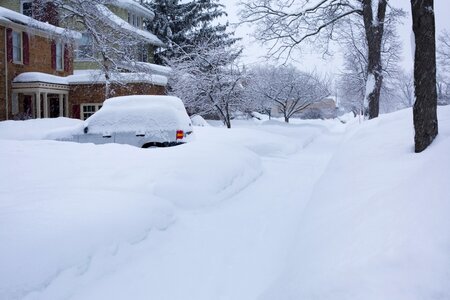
x: 186, y: 24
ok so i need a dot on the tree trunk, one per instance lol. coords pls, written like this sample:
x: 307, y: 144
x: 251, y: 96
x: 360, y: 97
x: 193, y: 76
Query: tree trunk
x: 286, y: 119
x: 374, y: 28
x: 425, y: 107
x: 227, y: 116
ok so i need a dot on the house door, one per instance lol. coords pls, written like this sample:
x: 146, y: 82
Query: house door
x: 27, y: 106
x: 54, y: 106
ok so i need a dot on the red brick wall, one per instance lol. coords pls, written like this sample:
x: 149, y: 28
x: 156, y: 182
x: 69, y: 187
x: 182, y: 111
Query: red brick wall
x: 40, y: 60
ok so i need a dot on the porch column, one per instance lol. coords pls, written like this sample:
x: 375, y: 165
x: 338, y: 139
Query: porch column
x: 15, y: 103
x: 45, y: 106
x: 38, y: 105
x: 66, y: 100
x: 61, y: 105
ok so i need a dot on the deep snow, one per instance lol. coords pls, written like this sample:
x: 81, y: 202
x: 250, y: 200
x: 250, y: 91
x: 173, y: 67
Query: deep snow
x: 266, y: 210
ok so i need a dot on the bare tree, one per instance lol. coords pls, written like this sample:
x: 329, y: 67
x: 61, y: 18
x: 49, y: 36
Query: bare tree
x: 352, y: 81
x: 443, y: 50
x: 289, y: 90
x: 253, y: 99
x: 425, y: 107
x: 443, y: 68
x: 112, y: 44
x: 287, y: 24
x: 208, y: 79
x: 404, y: 84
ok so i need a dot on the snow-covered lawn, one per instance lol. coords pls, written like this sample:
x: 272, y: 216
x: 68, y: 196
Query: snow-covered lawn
x: 266, y: 210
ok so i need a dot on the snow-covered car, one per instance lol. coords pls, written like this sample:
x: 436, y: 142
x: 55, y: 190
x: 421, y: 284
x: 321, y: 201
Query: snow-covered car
x: 143, y: 121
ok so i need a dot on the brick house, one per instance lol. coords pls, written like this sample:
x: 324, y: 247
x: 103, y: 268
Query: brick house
x: 42, y: 73
x: 29, y: 46
x: 130, y: 16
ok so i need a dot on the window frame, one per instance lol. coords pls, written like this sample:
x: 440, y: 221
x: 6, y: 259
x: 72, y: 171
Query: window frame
x: 85, y: 49
x: 96, y: 106
x: 59, y: 46
x: 22, y: 2
x: 17, y: 48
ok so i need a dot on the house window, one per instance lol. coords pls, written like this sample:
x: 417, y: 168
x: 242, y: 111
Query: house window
x: 143, y: 55
x: 134, y: 20
x: 26, y: 8
x: 17, y: 46
x: 59, y: 56
x: 85, y: 48
x: 88, y: 110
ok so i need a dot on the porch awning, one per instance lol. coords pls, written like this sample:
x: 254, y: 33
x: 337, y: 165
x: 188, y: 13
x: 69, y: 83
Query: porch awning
x: 32, y: 81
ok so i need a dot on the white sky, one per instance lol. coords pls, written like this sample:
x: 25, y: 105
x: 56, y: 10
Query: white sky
x: 254, y: 52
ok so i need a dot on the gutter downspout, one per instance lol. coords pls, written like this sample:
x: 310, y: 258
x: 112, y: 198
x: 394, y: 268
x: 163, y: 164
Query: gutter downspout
x: 6, y: 75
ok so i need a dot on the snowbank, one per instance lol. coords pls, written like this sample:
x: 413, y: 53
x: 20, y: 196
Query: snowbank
x: 36, y: 129
x: 191, y: 185
x: 66, y: 205
x: 377, y: 225
x: 198, y: 120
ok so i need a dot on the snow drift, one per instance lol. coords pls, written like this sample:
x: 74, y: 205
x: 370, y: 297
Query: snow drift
x: 377, y: 225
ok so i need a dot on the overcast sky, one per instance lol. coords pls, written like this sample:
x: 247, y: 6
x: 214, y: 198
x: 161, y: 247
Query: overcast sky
x: 253, y: 51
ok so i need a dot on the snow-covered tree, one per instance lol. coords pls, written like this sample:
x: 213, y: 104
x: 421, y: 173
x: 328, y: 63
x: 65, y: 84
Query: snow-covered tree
x: 443, y: 50
x: 253, y: 98
x: 209, y: 79
x: 111, y: 43
x: 425, y: 107
x: 186, y: 23
x: 405, y: 86
x: 443, y: 68
x: 285, y: 25
x: 288, y: 89
x: 352, y: 81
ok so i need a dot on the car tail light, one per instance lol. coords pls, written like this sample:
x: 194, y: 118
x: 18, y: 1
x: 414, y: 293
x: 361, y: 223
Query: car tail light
x: 180, y: 134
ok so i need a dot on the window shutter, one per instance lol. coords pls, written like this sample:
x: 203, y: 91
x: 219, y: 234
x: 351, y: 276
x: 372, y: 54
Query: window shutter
x: 9, y: 42
x: 26, y: 48
x: 67, y: 58
x: 76, y: 111
x: 53, y: 53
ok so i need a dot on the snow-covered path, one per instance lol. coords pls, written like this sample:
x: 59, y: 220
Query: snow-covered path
x: 234, y: 250
x: 312, y: 210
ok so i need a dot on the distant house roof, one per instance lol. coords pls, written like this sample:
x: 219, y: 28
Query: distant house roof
x: 142, y: 34
x: 8, y: 16
x: 135, y: 7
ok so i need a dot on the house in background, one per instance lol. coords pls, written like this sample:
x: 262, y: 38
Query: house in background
x: 150, y: 79
x: 58, y: 65
x: 28, y: 46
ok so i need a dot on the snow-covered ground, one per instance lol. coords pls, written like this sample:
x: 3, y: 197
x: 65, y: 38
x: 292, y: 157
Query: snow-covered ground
x: 266, y: 210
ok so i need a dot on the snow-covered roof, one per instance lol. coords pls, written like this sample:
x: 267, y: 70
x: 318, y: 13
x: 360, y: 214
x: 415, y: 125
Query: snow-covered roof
x: 142, y: 34
x: 95, y: 76
x: 90, y: 77
x: 149, y: 68
x: 136, y: 8
x: 10, y: 16
x: 40, y: 77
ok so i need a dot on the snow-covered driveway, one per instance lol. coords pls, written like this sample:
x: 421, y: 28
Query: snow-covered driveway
x: 266, y: 211
x: 231, y: 251
x: 213, y: 239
